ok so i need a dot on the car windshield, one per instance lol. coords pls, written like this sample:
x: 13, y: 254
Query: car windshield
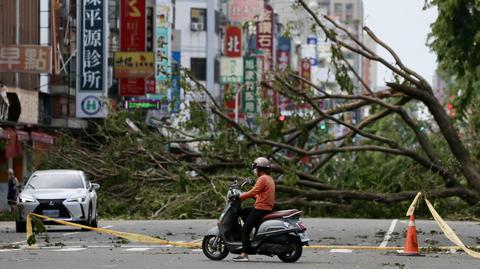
x: 55, y: 181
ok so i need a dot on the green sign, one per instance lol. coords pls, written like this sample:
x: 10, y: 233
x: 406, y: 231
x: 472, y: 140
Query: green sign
x: 249, y: 93
x: 143, y: 104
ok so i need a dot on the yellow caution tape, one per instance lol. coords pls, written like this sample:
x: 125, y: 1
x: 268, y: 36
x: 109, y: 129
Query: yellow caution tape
x: 129, y: 236
x: 449, y: 233
x: 411, y: 209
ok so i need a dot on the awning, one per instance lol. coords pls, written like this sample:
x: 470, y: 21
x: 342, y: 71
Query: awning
x: 41, y: 137
x: 12, y: 148
x: 22, y: 135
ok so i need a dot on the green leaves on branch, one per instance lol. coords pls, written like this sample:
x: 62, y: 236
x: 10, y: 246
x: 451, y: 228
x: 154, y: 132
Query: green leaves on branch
x: 455, y: 38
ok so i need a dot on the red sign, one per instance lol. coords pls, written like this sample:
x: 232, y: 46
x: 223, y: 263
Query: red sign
x: 305, y: 73
x: 265, y: 46
x: 233, y: 42
x: 132, y: 38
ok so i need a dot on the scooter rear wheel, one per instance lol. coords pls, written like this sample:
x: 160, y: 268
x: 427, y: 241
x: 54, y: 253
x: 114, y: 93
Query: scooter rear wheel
x: 295, y: 254
x: 216, y: 254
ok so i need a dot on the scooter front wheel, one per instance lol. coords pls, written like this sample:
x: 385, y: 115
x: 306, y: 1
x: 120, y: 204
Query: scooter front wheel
x: 218, y: 252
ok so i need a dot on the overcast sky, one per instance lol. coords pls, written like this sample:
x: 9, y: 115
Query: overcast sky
x: 404, y: 26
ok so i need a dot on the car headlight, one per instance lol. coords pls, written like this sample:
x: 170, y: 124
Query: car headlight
x: 26, y: 199
x: 79, y: 199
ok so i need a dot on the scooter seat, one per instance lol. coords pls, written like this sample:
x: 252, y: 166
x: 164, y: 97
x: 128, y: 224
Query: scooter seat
x: 281, y: 214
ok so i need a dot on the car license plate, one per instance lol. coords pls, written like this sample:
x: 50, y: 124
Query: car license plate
x: 51, y: 213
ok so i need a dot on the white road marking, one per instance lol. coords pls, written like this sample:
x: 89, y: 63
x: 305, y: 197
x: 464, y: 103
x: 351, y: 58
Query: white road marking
x: 106, y: 227
x: 19, y: 242
x: 196, y: 250
x: 67, y: 234
x: 68, y: 249
x: 8, y: 250
x: 388, y: 234
x: 137, y: 249
x: 341, y: 250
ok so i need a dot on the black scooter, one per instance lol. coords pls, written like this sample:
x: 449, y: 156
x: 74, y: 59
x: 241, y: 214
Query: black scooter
x: 279, y: 233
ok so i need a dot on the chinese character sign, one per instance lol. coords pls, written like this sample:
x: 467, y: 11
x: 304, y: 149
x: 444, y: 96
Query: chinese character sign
x: 231, y: 70
x: 132, y: 38
x: 133, y: 64
x: 233, y: 41
x: 25, y: 59
x: 249, y: 93
x: 244, y: 10
x: 92, y: 58
x: 265, y: 47
x: 133, y: 25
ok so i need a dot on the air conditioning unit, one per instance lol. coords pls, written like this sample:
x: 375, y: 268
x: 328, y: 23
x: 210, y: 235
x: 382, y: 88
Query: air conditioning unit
x: 197, y: 26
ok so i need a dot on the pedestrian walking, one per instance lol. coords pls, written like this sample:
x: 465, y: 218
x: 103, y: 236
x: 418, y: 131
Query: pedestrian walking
x: 12, y: 192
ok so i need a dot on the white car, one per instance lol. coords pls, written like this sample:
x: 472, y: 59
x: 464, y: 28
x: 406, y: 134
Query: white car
x: 62, y: 194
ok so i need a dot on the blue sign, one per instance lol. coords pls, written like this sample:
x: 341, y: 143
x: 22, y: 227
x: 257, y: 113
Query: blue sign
x: 175, y: 91
x: 312, y: 40
x: 284, y: 44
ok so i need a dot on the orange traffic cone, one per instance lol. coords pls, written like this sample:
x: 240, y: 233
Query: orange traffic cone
x: 411, y: 244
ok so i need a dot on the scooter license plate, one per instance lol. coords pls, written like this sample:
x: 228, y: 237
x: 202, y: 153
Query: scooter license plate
x: 51, y: 213
x: 304, y: 237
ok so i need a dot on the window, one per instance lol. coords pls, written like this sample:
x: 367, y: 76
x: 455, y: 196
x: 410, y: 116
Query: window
x: 338, y: 9
x: 55, y: 181
x: 198, y: 19
x: 198, y: 67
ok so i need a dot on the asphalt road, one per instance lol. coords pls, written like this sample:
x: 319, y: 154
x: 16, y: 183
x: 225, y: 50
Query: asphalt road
x: 72, y: 248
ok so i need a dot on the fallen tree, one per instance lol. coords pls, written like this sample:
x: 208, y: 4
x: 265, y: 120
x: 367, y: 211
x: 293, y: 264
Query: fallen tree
x: 182, y: 168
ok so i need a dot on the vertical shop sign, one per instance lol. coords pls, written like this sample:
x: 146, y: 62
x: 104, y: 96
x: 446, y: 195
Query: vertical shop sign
x: 283, y: 61
x: 92, y: 58
x: 132, y: 38
x: 305, y: 73
x: 249, y: 93
x: 162, y: 45
x: 265, y: 47
x: 233, y: 41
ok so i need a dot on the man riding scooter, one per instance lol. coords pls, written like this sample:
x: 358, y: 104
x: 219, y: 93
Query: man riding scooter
x: 264, y: 193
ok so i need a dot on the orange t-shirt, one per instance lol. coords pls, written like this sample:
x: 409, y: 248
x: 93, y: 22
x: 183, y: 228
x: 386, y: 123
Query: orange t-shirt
x: 263, y: 191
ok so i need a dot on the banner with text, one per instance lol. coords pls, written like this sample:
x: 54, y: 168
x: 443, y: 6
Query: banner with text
x: 25, y: 59
x: 133, y: 64
x: 249, y: 93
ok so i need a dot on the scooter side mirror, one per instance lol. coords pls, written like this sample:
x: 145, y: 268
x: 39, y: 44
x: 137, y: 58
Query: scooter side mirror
x: 250, y: 181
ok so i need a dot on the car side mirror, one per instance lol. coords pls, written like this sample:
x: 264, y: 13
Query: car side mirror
x: 95, y: 186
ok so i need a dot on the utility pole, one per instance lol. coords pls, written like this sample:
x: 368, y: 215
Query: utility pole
x: 17, y: 33
x: 211, y: 46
